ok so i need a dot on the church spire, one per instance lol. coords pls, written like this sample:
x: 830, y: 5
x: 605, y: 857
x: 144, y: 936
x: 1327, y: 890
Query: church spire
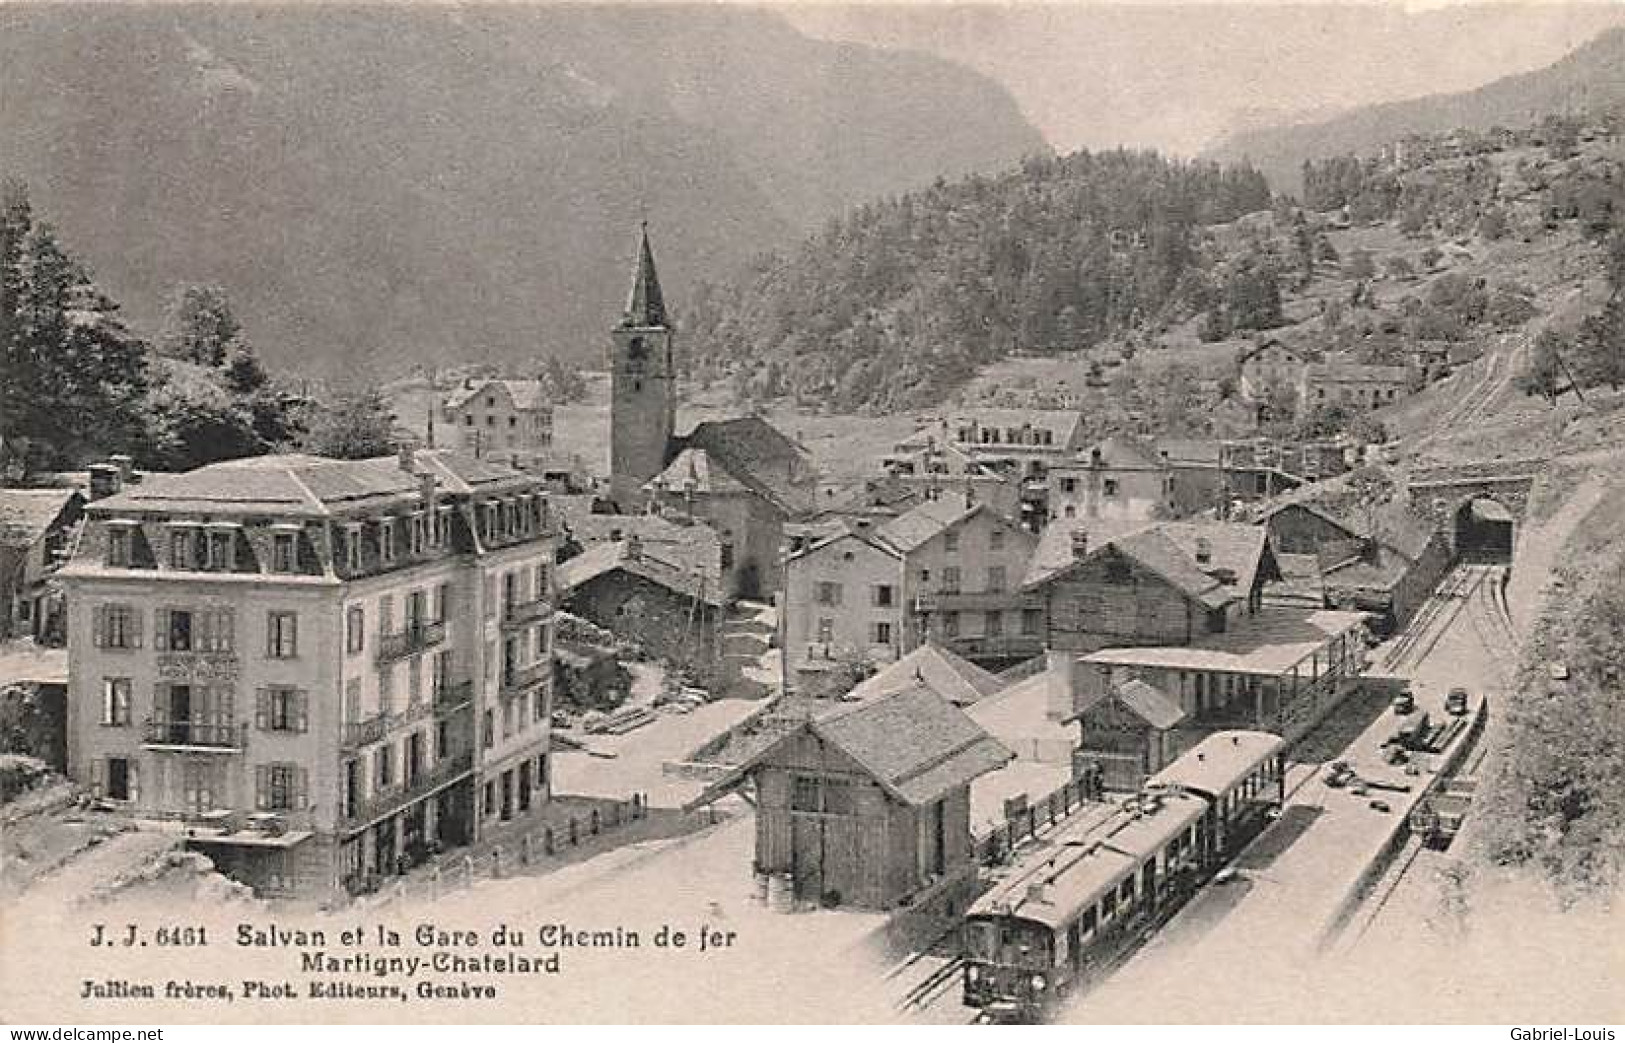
x: 645, y: 306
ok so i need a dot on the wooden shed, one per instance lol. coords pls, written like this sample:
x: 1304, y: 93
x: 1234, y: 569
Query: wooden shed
x: 867, y: 803
x: 1128, y: 732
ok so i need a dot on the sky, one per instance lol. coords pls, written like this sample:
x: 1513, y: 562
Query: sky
x: 1178, y: 76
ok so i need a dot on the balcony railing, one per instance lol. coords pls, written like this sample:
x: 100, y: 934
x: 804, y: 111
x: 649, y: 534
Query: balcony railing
x: 451, y: 695
x: 371, y: 729
x: 399, y: 796
x: 525, y: 676
x: 983, y: 600
x: 1005, y: 646
x: 415, y: 638
x: 225, y: 736
x: 519, y: 613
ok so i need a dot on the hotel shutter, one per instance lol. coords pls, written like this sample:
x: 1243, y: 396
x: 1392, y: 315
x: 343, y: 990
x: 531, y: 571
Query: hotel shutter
x: 100, y: 626
x: 98, y: 776
x: 132, y: 625
x: 262, y: 786
x: 262, y: 709
x: 298, y: 710
x: 160, y: 629
x: 301, y: 788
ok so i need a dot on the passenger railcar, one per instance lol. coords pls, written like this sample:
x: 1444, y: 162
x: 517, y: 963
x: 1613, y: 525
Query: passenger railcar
x: 1069, y: 906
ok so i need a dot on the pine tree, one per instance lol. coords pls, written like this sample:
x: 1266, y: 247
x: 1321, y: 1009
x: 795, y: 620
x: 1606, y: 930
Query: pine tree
x: 353, y: 426
x: 199, y: 326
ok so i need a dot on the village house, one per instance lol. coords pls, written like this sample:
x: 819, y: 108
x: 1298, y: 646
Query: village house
x: 1163, y: 583
x: 327, y: 668
x: 1126, y: 732
x: 1390, y: 570
x: 1114, y: 479
x: 741, y: 476
x: 510, y: 420
x: 1019, y: 444
x: 925, y: 471
x: 953, y: 677
x: 1266, y: 366
x: 664, y: 599
x: 1353, y: 385
x: 36, y: 532
x: 948, y: 569
x: 867, y: 803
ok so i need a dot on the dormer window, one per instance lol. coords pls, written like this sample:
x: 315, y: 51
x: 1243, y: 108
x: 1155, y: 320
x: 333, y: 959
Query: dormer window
x: 284, y: 549
x: 386, y: 539
x: 222, y: 544
x: 420, y: 533
x: 118, y: 543
x: 352, y: 548
x: 182, y: 540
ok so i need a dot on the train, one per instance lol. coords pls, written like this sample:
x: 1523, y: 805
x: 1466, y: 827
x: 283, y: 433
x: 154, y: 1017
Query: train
x: 1067, y: 908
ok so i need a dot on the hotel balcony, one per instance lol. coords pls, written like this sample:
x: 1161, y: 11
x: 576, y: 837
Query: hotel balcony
x: 410, y: 790
x: 521, y: 613
x: 211, y: 736
x: 371, y: 729
x: 415, y: 638
x: 452, y: 696
x: 524, y: 677
x: 979, y: 601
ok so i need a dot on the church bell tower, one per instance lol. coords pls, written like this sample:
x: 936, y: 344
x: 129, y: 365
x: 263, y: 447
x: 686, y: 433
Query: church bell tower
x: 643, y: 386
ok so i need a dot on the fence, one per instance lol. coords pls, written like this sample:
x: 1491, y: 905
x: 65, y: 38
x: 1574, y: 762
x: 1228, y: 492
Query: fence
x: 995, y: 846
x: 511, y: 853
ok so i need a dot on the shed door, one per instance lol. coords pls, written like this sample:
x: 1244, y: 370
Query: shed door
x: 807, y: 856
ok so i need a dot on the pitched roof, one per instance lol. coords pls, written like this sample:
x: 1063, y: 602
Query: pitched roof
x: 1191, y: 450
x: 1273, y: 342
x: 645, y: 305
x: 914, y: 742
x: 1118, y: 454
x: 693, y: 471
x: 27, y: 514
x: 526, y: 394
x: 603, y: 558
x: 299, y: 484
x: 957, y: 680
x: 694, y: 548
x: 760, y: 457
x: 1170, y: 549
x: 1054, y: 551
x: 925, y: 521
x: 1336, y: 372
x: 1145, y: 700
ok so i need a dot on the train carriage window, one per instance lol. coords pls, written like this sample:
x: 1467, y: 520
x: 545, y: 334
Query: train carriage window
x: 1091, y: 920
x: 1108, y: 905
x: 1127, y: 890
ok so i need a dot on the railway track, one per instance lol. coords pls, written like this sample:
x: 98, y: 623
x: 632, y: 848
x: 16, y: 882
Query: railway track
x: 1436, y: 616
x: 931, y: 989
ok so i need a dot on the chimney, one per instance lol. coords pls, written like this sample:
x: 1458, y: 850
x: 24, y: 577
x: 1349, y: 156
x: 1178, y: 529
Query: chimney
x: 1080, y: 544
x: 426, y: 490
x: 970, y: 493
x: 125, y: 465
x: 1094, y: 456
x: 1204, y: 550
x: 104, y: 480
x: 634, y: 547
x: 408, y: 458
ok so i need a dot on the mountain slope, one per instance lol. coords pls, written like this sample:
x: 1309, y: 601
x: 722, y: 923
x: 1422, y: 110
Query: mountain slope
x: 384, y: 185
x: 1589, y: 79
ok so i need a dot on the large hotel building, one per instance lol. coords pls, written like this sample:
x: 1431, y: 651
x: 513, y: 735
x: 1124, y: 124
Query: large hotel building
x: 327, y: 669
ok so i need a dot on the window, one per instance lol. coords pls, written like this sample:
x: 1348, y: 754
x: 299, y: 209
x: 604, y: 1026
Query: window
x: 1069, y: 485
x: 995, y: 540
x: 386, y: 539
x: 950, y: 579
x: 541, y: 642
x: 1110, y: 486
x: 281, y: 635
x: 352, y: 547
x: 116, y: 701
x: 352, y: 700
x: 442, y: 602
x: 179, y: 630
x: 386, y: 688
x: 826, y: 631
x: 507, y: 719
x: 180, y: 548
x: 468, y: 419
x: 950, y: 624
x: 280, y: 787
x: 950, y: 542
x: 993, y: 623
x: 352, y: 788
x: 383, y: 768
x: 355, y: 629
x: 925, y: 575
x: 885, y: 595
x: 882, y: 635
x: 995, y: 578
x: 221, y: 546
x: 490, y: 728
x: 118, y: 626
x: 282, y: 547
x: 828, y: 593
x: 121, y: 782
x: 414, y: 680
x: 118, y: 546
x: 513, y: 421
x: 804, y: 795
x: 281, y: 710
x: 1032, y: 621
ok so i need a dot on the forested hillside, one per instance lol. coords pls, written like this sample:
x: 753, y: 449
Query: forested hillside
x: 898, y: 302
x: 379, y: 185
